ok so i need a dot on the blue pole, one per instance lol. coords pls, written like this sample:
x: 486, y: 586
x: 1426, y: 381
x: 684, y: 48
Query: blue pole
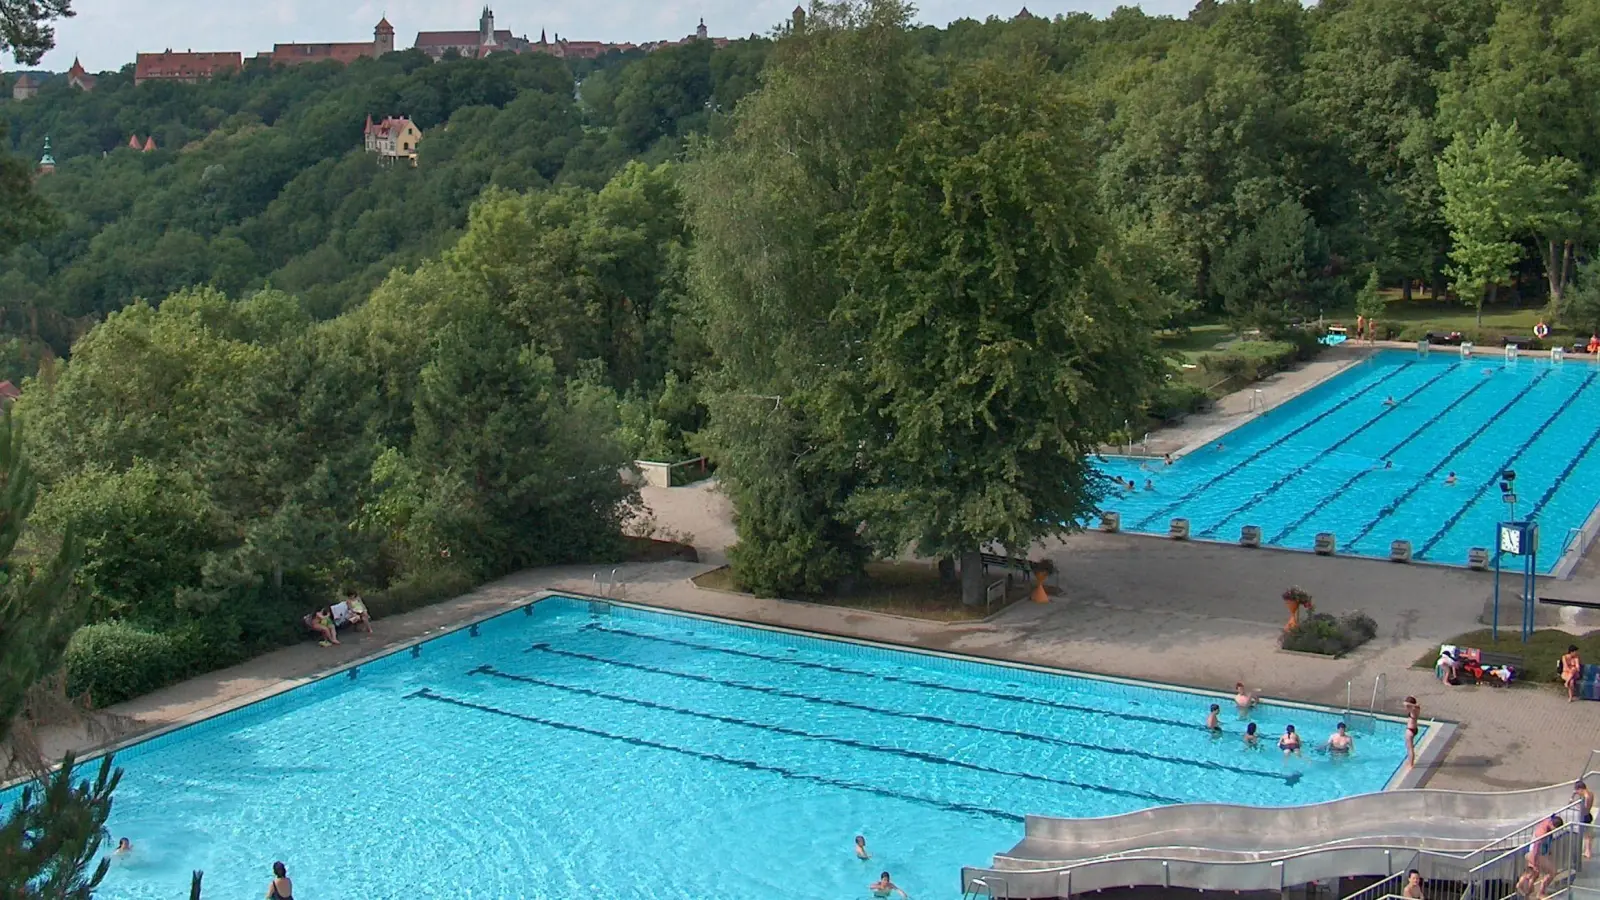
x: 1494, y: 621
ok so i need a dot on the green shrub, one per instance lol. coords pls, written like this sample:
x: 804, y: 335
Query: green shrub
x: 418, y: 591
x: 1255, y: 360
x: 110, y: 662
x: 1322, y: 633
x: 1176, y: 398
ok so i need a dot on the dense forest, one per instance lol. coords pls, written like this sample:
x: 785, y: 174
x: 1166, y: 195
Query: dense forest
x: 896, y: 281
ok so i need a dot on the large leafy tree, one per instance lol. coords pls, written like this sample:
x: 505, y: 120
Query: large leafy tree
x: 996, y: 343
x: 1278, y: 270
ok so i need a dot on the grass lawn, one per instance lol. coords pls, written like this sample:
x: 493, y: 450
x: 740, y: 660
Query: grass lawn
x: 1194, y: 341
x: 1539, y: 654
x: 899, y: 588
x: 1450, y: 316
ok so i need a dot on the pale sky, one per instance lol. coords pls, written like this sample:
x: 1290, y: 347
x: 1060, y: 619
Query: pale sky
x: 107, y: 33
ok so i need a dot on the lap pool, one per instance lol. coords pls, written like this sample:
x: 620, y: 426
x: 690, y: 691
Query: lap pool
x: 569, y: 749
x: 1367, y: 455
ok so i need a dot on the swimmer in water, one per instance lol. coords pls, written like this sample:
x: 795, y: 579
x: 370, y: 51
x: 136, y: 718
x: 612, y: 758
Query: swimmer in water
x: 1390, y: 401
x: 1169, y: 459
x: 1290, y: 742
x: 1243, y: 698
x: 1213, y: 721
x: 1450, y: 479
x: 124, y: 847
x: 1149, y: 485
x: 884, y: 886
x: 861, y: 847
x: 1340, y: 741
x: 1251, y: 740
x: 1219, y: 447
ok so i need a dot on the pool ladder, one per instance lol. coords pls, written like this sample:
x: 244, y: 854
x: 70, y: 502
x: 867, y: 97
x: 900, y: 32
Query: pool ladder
x: 1380, y: 697
x: 612, y: 588
x: 985, y: 887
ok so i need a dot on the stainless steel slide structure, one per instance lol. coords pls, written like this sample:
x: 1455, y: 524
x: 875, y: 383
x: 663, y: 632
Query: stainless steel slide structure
x: 1448, y: 835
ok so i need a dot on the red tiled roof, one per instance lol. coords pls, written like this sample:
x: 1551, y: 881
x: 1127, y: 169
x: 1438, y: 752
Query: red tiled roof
x: 446, y: 38
x: 149, y: 143
x: 383, y: 25
x: 8, y: 391
x: 133, y: 142
x: 185, y: 66
x: 294, y: 54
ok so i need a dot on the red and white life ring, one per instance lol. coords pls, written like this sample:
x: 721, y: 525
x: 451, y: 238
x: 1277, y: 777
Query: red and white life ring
x: 1541, y: 331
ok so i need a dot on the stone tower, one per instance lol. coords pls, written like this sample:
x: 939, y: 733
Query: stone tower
x: 383, y: 37
x: 486, y: 27
x: 47, y: 163
x: 700, y: 30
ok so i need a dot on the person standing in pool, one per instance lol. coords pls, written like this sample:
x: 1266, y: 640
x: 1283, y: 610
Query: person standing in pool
x: 280, y: 888
x: 1290, y: 742
x: 1340, y: 741
x: 884, y: 886
x: 861, y: 847
x: 1213, y: 720
x: 1243, y: 698
x: 1450, y: 480
x: 1250, y: 738
x: 125, y: 846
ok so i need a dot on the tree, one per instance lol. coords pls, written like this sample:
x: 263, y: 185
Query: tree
x: 51, y: 835
x: 1369, y: 302
x: 25, y: 27
x: 997, y: 345
x: 766, y: 203
x: 1277, y: 271
x: 1582, y: 310
x: 1493, y: 198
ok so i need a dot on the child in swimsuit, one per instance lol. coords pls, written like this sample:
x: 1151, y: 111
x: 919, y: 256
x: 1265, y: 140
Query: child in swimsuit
x: 1413, y: 710
x: 861, y: 847
x: 1290, y: 742
x: 883, y: 887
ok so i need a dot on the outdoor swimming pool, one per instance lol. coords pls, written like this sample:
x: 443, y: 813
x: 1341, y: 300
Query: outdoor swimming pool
x: 1339, y: 459
x: 577, y: 751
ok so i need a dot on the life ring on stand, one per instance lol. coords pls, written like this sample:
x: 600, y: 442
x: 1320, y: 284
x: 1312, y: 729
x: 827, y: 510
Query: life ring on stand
x: 1541, y: 331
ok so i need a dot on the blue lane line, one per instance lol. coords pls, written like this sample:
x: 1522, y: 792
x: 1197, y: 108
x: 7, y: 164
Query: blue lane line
x: 430, y: 694
x: 1277, y: 485
x: 786, y: 731
x: 1495, y: 474
x: 1342, y: 489
x: 1290, y: 778
x: 1165, y: 510
x: 860, y: 673
x: 1394, y: 504
x: 1555, y: 485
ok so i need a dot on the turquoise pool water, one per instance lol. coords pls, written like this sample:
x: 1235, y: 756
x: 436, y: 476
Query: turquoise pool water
x: 562, y: 752
x: 1339, y: 459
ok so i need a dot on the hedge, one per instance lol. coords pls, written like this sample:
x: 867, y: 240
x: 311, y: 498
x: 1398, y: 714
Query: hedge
x: 110, y: 662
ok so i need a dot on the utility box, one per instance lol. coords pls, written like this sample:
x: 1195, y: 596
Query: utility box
x: 1325, y: 545
x: 1400, y: 551
x: 1111, y: 522
x: 1179, y: 530
x: 1250, y: 536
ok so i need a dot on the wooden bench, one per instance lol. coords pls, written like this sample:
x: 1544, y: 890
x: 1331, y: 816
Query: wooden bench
x: 1005, y: 562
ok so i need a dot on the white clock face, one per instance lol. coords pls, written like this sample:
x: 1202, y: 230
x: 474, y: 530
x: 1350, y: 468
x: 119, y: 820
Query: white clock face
x: 1510, y: 540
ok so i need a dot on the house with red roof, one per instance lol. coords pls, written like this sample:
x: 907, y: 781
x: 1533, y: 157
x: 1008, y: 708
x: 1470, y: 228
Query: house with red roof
x: 79, y: 77
x: 295, y: 54
x: 395, y: 137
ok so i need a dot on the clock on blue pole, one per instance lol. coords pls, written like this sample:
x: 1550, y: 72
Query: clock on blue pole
x: 1520, y: 539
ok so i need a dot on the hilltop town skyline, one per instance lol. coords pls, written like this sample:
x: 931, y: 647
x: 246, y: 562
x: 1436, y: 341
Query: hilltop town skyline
x: 106, y: 34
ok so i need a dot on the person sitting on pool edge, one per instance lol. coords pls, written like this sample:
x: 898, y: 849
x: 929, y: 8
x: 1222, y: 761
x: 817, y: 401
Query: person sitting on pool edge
x: 884, y: 886
x: 1290, y: 742
x: 1340, y: 741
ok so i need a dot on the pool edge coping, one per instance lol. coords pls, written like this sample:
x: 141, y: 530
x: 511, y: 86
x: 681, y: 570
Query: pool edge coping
x: 1431, y: 750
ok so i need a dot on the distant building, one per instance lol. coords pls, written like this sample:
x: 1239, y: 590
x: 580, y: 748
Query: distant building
x: 294, y: 54
x: 8, y: 394
x: 472, y: 44
x: 1024, y: 15
x: 47, y: 163
x: 24, y: 87
x: 79, y: 78
x: 394, y: 138
x: 149, y: 144
x: 187, y: 67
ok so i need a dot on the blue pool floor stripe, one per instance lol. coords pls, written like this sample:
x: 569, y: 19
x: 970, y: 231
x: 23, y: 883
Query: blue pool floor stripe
x: 897, y: 679
x: 1495, y: 473
x: 1342, y: 489
x: 1565, y: 473
x: 1363, y: 391
x: 851, y: 743
x: 1304, y: 467
x: 1290, y: 779
x: 430, y: 694
x: 1389, y: 508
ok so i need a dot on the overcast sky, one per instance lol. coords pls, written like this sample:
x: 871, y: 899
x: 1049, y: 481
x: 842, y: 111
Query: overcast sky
x: 107, y: 33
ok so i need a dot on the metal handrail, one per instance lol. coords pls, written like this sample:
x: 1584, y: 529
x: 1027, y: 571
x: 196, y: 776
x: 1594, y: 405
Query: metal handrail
x: 1566, y: 544
x: 1381, y: 683
x: 1125, y: 865
x: 1390, y: 886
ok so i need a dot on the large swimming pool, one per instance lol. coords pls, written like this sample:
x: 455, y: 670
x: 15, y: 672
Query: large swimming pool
x: 1368, y: 455
x: 575, y: 750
